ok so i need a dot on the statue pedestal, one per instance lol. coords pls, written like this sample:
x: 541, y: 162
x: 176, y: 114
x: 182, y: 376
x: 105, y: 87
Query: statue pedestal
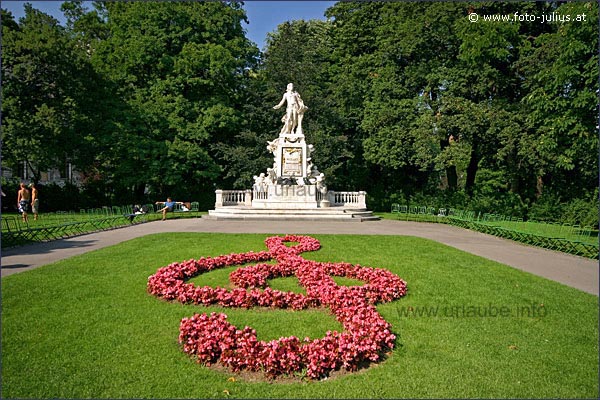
x: 286, y: 197
x: 291, y: 157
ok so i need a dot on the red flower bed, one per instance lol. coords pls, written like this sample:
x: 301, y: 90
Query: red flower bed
x: 211, y: 338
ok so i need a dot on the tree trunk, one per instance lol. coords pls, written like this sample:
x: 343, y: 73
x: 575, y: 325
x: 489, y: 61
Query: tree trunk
x: 514, y: 184
x: 472, y: 170
x: 452, y: 177
x: 539, y: 187
x: 451, y: 174
x: 138, y: 191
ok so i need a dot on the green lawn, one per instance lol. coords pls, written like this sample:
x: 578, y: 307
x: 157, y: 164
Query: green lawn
x: 85, y: 327
x: 552, y: 230
x: 52, y: 226
x: 583, y: 234
x: 46, y: 220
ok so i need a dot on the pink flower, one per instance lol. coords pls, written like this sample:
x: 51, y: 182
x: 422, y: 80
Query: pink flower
x: 211, y: 338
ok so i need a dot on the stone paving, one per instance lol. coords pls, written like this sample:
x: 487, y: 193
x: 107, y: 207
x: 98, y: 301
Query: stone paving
x: 574, y: 271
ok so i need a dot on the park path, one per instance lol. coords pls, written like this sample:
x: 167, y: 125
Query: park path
x: 574, y: 271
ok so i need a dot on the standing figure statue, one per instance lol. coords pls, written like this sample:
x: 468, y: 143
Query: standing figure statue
x: 320, y: 182
x: 294, y: 111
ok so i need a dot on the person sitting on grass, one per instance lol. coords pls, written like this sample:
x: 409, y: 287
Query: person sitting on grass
x: 169, y: 205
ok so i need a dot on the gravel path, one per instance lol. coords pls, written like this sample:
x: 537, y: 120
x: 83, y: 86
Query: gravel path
x: 578, y: 272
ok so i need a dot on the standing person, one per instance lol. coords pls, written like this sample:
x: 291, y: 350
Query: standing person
x: 35, y: 201
x: 23, y: 198
x: 169, y: 205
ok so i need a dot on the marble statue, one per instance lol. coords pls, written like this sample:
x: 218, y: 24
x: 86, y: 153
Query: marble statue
x: 293, y: 182
x: 259, y: 181
x: 271, y: 176
x: 272, y: 145
x: 292, y: 120
x: 320, y: 182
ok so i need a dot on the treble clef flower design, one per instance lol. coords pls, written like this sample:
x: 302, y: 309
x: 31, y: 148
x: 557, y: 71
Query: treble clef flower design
x: 210, y: 338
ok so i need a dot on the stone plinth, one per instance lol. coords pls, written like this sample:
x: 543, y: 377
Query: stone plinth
x: 286, y: 196
x: 332, y: 214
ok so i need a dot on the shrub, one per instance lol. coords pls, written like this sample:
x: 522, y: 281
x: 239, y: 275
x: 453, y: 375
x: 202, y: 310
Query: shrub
x: 581, y: 211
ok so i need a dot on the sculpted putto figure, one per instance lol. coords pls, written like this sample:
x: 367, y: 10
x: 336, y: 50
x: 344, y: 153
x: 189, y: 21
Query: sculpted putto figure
x: 259, y: 181
x: 294, y: 111
x: 272, y: 147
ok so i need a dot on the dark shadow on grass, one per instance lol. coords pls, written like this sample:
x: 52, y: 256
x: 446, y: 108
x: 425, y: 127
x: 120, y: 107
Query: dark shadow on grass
x: 14, y: 266
x: 47, y: 247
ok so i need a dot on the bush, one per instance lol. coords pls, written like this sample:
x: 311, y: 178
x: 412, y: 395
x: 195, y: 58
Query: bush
x: 582, y: 212
x: 56, y: 198
x: 509, y: 204
x: 10, y: 187
x: 546, y: 208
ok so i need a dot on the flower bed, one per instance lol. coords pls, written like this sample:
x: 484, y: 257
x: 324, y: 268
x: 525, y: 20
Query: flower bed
x: 211, y: 338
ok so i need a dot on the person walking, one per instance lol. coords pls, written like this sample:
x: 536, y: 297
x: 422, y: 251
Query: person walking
x: 23, y: 199
x: 35, y: 201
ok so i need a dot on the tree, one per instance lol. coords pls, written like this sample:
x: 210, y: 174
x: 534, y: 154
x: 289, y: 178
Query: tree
x: 44, y: 122
x: 429, y: 94
x: 352, y: 67
x: 561, y: 77
x: 299, y: 52
x: 181, y: 71
x: 245, y: 154
x: 392, y: 60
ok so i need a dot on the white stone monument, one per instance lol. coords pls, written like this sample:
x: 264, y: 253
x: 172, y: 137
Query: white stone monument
x: 292, y: 182
x: 293, y: 188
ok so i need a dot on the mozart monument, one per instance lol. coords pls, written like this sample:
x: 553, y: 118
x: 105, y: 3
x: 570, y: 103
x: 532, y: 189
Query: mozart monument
x: 293, y: 188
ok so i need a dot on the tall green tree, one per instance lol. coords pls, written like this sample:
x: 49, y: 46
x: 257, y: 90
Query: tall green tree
x: 353, y: 38
x: 561, y: 79
x: 300, y: 52
x: 429, y: 94
x: 392, y: 57
x: 181, y: 70
x: 44, y: 119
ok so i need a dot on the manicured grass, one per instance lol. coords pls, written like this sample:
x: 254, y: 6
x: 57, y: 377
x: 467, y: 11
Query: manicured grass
x: 85, y: 327
x: 52, y: 226
x: 552, y: 230
x: 46, y: 220
x: 583, y: 234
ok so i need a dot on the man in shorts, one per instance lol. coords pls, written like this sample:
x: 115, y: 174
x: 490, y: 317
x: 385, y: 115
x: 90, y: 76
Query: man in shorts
x: 23, y: 199
x: 35, y: 201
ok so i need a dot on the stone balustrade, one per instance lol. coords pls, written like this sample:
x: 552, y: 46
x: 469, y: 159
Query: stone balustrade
x: 233, y: 198
x: 260, y: 194
x: 348, y: 199
x: 332, y: 198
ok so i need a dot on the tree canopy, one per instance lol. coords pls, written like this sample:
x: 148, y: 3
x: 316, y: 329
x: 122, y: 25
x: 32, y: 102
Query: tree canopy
x: 405, y: 98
